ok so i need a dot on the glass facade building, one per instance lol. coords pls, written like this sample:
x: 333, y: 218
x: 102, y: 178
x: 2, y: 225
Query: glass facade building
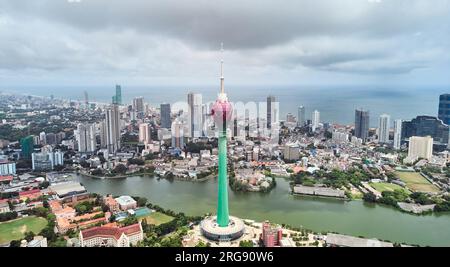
x: 426, y: 126
x: 444, y: 108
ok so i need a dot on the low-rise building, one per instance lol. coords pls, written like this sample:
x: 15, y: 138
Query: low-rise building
x: 4, y: 206
x: 105, y: 236
x: 337, y: 240
x: 126, y: 203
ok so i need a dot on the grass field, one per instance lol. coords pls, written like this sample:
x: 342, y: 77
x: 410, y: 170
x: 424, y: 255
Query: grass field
x: 158, y: 218
x: 416, y: 182
x: 381, y: 187
x: 14, y: 230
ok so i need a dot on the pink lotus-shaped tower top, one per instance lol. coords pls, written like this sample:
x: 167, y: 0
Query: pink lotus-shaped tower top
x: 222, y: 111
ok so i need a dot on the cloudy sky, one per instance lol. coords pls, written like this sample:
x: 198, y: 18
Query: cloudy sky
x: 154, y: 42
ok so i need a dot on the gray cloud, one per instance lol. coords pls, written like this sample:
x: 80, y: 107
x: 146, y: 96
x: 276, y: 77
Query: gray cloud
x: 170, y: 38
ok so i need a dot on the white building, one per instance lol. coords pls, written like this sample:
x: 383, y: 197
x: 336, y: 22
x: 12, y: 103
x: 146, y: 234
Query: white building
x: 195, y: 116
x: 7, y: 168
x: 85, y: 135
x: 340, y: 137
x: 145, y: 133
x: 397, y: 134
x: 46, y: 161
x: 420, y: 147
x: 383, y: 128
x: 126, y: 202
x: 315, y: 120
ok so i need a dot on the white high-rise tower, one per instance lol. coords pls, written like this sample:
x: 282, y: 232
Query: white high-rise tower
x: 397, y: 134
x: 315, y: 120
x: 383, y: 128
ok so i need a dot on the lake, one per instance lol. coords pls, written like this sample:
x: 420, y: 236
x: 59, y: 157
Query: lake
x: 319, y: 214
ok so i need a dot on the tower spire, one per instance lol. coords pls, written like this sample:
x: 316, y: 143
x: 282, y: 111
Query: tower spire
x: 222, y: 87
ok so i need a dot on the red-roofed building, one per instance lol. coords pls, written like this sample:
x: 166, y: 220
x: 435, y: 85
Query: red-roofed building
x: 6, y: 179
x: 30, y: 194
x: 106, y: 236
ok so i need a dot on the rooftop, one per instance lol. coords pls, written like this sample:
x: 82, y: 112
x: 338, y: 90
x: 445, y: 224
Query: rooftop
x: 107, y: 231
x: 125, y: 200
x: 66, y: 188
x: 350, y: 241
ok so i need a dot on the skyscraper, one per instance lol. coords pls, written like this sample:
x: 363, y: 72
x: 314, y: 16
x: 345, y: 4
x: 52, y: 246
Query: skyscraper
x: 397, y: 134
x: 301, y: 116
x: 195, y: 115
x: 165, y: 116
x: 138, y: 106
x: 426, y: 126
x: 43, y: 138
x: 315, y: 120
x: 362, y: 124
x: 145, y: 133
x: 444, y: 108
x: 27, y: 146
x: 103, y: 134
x: 177, y: 134
x: 112, y: 128
x: 117, y: 99
x: 85, y: 136
x: 383, y: 128
x: 270, y: 111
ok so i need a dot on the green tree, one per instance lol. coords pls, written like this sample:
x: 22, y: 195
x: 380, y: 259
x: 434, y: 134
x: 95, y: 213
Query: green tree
x: 246, y: 243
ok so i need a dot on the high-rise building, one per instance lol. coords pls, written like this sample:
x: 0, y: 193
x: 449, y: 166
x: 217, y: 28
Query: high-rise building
x: 165, y: 116
x: 145, y: 134
x: 383, y: 128
x: 362, y: 124
x: 7, y: 168
x: 117, y: 99
x: 205, y: 118
x: 103, y: 134
x: 138, y: 106
x: 45, y: 161
x: 43, y: 138
x: 270, y: 111
x: 177, y: 134
x: 397, y: 134
x: 444, y: 108
x: 112, y: 128
x: 301, y: 116
x: 27, y: 146
x: 426, y: 126
x: 315, y: 120
x: 195, y: 115
x: 420, y: 147
x: 86, y: 100
x: 50, y: 139
x: 85, y: 136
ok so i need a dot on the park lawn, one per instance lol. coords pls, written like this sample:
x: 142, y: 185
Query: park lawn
x: 416, y: 182
x: 381, y: 187
x: 158, y: 218
x: 15, y: 229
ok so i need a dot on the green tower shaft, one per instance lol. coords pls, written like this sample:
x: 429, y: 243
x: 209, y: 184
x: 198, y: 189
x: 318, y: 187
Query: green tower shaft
x: 222, y: 201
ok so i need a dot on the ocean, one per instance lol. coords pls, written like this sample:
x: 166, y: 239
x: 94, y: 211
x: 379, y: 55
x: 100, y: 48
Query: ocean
x: 336, y: 104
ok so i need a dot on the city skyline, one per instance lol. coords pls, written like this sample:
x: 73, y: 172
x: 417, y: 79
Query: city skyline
x: 117, y: 128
